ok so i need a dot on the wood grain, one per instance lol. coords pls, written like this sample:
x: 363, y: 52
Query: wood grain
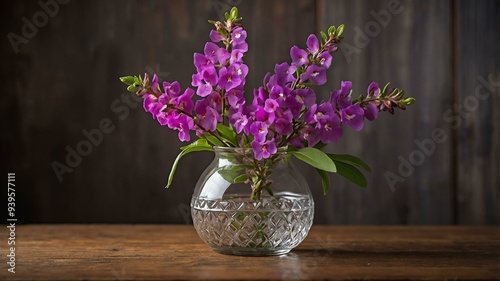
x: 405, y: 51
x: 64, y: 81
x: 170, y: 252
x: 477, y: 111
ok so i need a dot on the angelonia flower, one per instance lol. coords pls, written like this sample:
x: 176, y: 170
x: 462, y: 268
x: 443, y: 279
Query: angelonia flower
x: 283, y: 111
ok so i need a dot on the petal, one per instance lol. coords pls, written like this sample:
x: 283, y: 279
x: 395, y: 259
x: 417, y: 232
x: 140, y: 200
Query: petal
x: 299, y: 56
x: 373, y: 89
x: 312, y: 44
x: 215, y: 36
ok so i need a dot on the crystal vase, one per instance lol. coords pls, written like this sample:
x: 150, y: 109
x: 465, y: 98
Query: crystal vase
x: 244, y: 206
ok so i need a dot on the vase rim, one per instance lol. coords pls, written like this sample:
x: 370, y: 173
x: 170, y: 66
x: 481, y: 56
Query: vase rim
x: 227, y: 149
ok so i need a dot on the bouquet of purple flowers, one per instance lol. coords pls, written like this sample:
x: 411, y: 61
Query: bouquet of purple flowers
x: 283, y: 113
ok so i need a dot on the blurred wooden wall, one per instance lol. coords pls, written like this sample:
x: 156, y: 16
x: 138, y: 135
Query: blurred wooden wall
x: 64, y: 79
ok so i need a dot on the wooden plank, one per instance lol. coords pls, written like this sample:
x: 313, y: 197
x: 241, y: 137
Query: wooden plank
x: 170, y: 252
x: 477, y: 111
x: 71, y: 67
x: 408, y: 44
x: 63, y: 81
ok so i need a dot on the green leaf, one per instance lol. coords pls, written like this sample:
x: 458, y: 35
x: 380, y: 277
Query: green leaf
x: 234, y: 13
x: 325, y: 179
x: 132, y: 89
x: 223, y: 32
x: 226, y: 14
x: 383, y: 93
x: 229, y: 175
x: 340, y: 30
x: 351, y: 173
x: 213, y: 140
x: 199, y: 145
x: 269, y: 190
x: 316, y: 158
x: 239, y: 167
x: 129, y: 80
x: 350, y: 159
x: 324, y: 36
x: 408, y: 101
x: 234, y: 174
x: 240, y: 178
x: 331, y: 30
x: 227, y: 133
x: 211, y: 21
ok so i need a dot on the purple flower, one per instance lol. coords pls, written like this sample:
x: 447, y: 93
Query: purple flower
x: 185, y: 101
x: 283, y: 124
x: 183, y: 124
x: 167, y: 118
x: 312, y: 44
x: 228, y: 79
x: 238, y: 35
x: 209, y: 74
x: 171, y: 89
x: 353, y: 116
x: 235, y: 98
x: 325, y: 60
x: 205, y: 81
x: 315, y: 74
x: 151, y: 104
x: 331, y: 48
x: 207, y: 116
x: 165, y: 99
x: 299, y: 56
x: 297, y: 142
x: 259, y: 131
x: 236, y: 56
x: 279, y: 94
x: 284, y: 73
x: 305, y: 96
x: 264, y: 150
x: 239, y: 69
x: 215, y: 101
x: 215, y: 36
x: 271, y: 105
x: 319, y: 113
x: 310, y: 135
x: 330, y: 129
x: 259, y: 96
x: 215, y: 53
x: 203, y: 88
x: 201, y: 61
x: 262, y: 115
x: 242, y: 47
x: 371, y: 111
x: 373, y: 90
x: 154, y: 86
x: 239, y: 121
x: 341, y: 98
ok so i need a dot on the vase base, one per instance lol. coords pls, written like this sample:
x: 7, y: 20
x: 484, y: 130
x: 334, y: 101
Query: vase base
x: 251, y: 252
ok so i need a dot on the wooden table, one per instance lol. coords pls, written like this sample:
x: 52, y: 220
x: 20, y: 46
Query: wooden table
x: 174, y: 252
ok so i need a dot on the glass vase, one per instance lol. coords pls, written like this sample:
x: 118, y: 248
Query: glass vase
x: 242, y: 206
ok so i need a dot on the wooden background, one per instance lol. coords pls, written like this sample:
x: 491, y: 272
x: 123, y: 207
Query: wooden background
x: 64, y: 79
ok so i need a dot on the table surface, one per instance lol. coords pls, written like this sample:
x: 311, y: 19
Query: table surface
x: 174, y: 252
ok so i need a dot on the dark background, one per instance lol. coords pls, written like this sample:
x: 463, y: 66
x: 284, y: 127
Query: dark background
x: 64, y: 79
